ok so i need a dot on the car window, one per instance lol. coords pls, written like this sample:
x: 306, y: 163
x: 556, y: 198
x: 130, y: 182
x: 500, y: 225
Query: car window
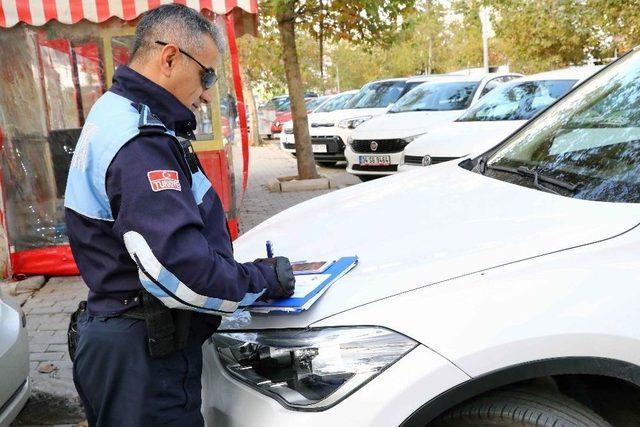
x: 336, y: 103
x: 491, y: 84
x: 313, y: 103
x: 377, y: 95
x: 590, y: 138
x: 410, y: 86
x: 437, y: 97
x: 283, y: 105
x: 517, y: 101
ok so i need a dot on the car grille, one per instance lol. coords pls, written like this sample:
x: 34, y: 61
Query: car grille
x: 417, y: 160
x: 334, y: 144
x: 288, y: 131
x: 384, y: 145
x: 389, y: 168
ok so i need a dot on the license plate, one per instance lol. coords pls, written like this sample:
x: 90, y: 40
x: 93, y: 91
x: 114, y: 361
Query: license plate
x: 375, y: 160
x: 319, y: 148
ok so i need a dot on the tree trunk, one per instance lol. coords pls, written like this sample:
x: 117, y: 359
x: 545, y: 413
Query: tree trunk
x: 304, y: 152
x: 250, y: 101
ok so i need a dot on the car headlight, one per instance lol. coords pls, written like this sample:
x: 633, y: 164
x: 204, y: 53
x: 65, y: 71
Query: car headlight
x: 353, y: 122
x: 310, y: 369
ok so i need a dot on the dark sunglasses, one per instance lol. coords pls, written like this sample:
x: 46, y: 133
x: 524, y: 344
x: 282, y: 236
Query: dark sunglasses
x: 208, y: 75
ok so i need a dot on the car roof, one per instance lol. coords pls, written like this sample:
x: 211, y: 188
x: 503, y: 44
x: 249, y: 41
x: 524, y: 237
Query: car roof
x: 426, y: 77
x: 397, y: 79
x: 569, y: 73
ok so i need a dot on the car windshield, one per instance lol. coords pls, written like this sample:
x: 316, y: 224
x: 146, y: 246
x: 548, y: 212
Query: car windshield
x: 437, y: 97
x: 275, y: 103
x: 336, y: 103
x: 377, y: 95
x: 313, y: 103
x: 517, y: 101
x: 283, y: 105
x: 590, y: 138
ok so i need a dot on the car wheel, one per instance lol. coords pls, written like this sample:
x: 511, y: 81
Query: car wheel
x: 365, y: 178
x: 327, y: 164
x: 520, y: 407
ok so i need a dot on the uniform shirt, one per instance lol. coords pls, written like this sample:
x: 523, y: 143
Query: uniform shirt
x: 148, y: 185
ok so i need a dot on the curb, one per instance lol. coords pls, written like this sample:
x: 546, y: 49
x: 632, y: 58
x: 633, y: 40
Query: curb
x: 290, y: 184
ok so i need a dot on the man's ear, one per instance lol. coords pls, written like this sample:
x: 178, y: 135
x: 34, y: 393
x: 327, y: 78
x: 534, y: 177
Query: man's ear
x: 168, y: 58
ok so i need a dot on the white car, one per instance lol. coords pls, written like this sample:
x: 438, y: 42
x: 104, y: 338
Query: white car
x: 14, y: 361
x: 334, y: 103
x: 375, y: 148
x: 493, y: 301
x: 329, y: 133
x: 493, y: 118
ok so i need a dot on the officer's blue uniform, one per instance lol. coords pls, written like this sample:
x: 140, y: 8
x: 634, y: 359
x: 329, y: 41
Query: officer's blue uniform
x: 139, y: 215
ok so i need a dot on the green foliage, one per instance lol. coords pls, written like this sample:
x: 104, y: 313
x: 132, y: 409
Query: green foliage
x: 372, y: 39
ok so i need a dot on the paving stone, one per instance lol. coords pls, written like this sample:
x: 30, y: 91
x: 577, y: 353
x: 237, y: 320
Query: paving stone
x: 57, y: 347
x: 46, y: 356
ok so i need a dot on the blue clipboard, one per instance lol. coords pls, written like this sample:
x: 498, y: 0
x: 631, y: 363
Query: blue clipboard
x: 301, y: 303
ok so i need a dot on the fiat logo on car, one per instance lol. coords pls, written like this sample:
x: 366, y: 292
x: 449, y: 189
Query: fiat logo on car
x: 374, y: 146
x: 426, y: 160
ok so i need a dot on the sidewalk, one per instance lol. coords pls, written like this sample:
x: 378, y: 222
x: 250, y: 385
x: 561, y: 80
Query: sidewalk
x: 54, y: 399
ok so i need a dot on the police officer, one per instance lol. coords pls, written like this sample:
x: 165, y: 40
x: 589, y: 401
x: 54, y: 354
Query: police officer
x: 149, y: 234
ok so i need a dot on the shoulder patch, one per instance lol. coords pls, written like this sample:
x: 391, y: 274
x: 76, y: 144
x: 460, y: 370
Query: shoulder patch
x: 164, y: 180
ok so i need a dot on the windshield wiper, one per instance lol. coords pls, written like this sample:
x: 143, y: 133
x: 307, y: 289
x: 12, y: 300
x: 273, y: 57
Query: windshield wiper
x: 537, y: 178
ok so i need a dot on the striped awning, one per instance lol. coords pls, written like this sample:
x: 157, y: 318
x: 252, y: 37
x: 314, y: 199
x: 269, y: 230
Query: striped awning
x: 39, y: 12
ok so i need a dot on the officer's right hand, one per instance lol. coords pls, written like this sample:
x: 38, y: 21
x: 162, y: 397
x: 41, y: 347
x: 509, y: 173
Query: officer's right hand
x: 286, y: 281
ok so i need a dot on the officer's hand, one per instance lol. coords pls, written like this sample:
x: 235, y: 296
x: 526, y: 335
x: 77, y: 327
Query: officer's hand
x: 284, y: 273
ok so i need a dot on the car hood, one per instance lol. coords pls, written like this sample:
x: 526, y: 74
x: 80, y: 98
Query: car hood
x: 402, y: 125
x: 336, y: 116
x: 460, y: 139
x: 321, y: 118
x: 422, y: 227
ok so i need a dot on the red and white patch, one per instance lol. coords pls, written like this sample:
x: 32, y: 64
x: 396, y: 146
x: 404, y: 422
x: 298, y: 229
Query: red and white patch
x: 164, y: 180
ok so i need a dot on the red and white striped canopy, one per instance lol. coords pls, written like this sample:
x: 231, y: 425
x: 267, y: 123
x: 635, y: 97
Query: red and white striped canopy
x: 39, y: 12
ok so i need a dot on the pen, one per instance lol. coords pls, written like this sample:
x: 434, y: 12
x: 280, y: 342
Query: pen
x: 269, y: 249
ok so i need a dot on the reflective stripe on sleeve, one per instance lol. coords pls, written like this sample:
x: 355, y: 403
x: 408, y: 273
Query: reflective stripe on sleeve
x: 165, y: 286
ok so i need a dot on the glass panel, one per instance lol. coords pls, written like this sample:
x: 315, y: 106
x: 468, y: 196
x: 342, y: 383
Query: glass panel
x: 59, y: 83
x: 120, y: 48
x: 90, y: 74
x: 590, y: 138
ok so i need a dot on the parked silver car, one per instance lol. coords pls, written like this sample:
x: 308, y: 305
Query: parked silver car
x: 14, y: 361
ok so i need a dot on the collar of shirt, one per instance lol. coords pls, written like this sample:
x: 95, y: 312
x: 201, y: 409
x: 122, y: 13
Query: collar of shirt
x: 136, y: 87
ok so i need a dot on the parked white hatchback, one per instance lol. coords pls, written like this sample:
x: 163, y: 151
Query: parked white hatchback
x: 334, y: 103
x: 506, y: 294
x: 375, y: 148
x: 493, y: 118
x: 14, y: 361
x: 329, y: 133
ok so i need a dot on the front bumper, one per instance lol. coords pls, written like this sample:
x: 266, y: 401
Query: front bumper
x: 332, y: 144
x: 387, y: 400
x: 354, y: 167
x: 14, y: 361
x: 10, y: 409
x: 408, y: 167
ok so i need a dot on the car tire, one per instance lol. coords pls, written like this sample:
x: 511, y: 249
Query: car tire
x: 522, y: 408
x: 365, y: 178
x: 327, y: 164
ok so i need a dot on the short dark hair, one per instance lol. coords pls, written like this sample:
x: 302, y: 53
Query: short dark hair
x: 173, y: 23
